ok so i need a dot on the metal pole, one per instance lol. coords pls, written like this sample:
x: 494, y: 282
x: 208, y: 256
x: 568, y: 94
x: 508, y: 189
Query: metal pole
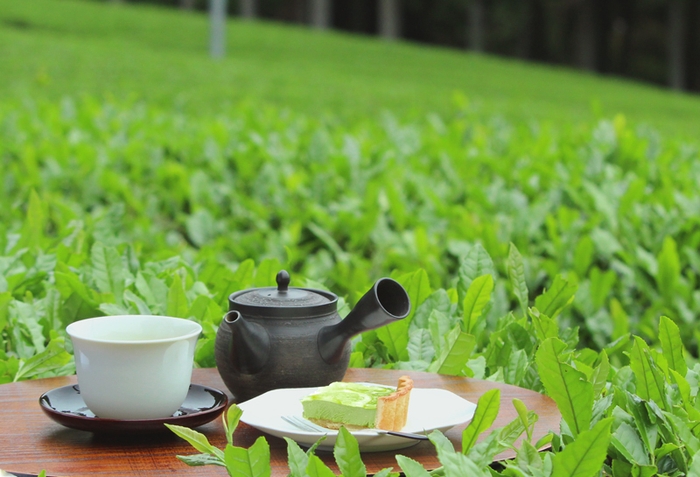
x: 389, y: 19
x: 217, y: 21
x: 249, y: 9
x: 676, y: 27
x: 477, y: 17
x: 321, y: 14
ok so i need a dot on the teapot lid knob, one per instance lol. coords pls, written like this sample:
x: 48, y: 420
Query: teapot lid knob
x: 282, y: 281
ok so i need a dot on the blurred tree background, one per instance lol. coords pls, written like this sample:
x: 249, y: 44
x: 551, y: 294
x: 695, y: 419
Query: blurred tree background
x: 656, y: 41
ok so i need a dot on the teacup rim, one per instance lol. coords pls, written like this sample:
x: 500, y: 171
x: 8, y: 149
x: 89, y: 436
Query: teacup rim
x: 73, y: 330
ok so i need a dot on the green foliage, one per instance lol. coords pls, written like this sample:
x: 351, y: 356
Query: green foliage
x: 584, y: 457
x: 569, y: 387
x: 59, y: 48
x: 560, y: 259
x: 239, y: 462
x: 485, y: 414
x: 330, y: 201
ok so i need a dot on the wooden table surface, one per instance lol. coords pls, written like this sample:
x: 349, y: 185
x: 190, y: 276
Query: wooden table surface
x: 30, y: 441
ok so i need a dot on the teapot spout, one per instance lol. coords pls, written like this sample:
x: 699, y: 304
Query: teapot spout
x: 249, y: 344
x: 384, y: 303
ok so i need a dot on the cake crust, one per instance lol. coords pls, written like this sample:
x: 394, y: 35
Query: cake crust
x: 392, y: 410
x: 391, y: 413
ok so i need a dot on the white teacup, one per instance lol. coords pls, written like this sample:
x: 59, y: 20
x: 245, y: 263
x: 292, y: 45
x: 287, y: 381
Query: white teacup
x: 134, y: 366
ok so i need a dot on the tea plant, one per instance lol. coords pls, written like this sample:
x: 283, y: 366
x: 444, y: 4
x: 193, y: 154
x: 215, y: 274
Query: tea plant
x: 610, y: 208
x: 255, y: 461
x: 59, y: 48
x: 637, y: 418
x: 563, y: 260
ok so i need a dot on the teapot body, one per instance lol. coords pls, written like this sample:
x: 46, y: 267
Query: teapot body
x: 292, y: 360
x: 288, y: 337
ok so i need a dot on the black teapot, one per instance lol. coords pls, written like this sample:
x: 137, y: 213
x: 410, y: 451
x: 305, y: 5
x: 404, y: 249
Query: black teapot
x: 287, y: 337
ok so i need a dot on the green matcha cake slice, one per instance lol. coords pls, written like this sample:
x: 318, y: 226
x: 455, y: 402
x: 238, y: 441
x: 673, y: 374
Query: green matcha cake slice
x: 359, y: 406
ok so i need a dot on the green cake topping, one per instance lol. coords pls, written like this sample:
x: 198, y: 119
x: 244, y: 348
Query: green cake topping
x: 351, y: 394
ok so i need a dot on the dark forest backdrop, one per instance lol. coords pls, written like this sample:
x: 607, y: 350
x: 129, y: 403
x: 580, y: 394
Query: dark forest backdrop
x: 656, y: 41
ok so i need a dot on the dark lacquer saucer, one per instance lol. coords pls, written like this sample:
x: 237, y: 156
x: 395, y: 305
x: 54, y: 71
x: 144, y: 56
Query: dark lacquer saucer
x: 65, y: 406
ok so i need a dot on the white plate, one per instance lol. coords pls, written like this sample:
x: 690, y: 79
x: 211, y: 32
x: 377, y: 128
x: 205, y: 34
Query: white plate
x: 428, y: 409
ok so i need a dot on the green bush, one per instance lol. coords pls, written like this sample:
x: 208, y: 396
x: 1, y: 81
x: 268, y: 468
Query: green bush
x: 522, y: 245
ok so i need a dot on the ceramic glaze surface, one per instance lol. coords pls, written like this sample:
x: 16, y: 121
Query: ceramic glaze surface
x: 293, y: 359
x: 288, y: 337
x: 66, y: 406
x: 134, y: 366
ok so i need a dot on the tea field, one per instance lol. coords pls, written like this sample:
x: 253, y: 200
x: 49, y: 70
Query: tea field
x: 557, y: 250
x: 53, y: 48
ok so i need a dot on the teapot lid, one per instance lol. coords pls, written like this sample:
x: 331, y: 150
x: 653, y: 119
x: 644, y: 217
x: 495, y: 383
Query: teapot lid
x: 283, y: 301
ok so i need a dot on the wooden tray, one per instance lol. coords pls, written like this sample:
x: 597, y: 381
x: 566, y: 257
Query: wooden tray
x: 30, y: 441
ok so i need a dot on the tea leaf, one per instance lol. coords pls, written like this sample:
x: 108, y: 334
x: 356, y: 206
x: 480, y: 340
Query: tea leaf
x: 197, y: 440
x: 439, y: 300
x: 584, y: 457
x: 669, y: 268
x: 28, y: 331
x: 544, y: 440
x: 478, y: 296
x: 347, y: 455
x: 297, y: 460
x: 683, y: 433
x: 545, y: 327
x: 440, y: 326
x: 68, y: 283
x: 267, y: 272
x: 556, y: 298
x: 683, y: 386
x: 5, y: 298
x: 141, y: 305
x: 672, y: 345
x: 387, y: 473
x: 33, y: 228
x: 420, y: 346
x: 650, y: 380
x: 694, y: 466
x: 109, y: 272
x: 516, y: 274
x: 620, y: 319
x: 475, y: 263
x: 566, y: 385
x: 396, y: 335
x: 485, y: 414
x: 516, y: 368
x: 417, y: 286
x: 316, y: 468
x: 583, y: 255
x: 153, y: 290
x: 230, y: 421
x: 483, y: 452
x: 441, y: 442
x: 509, y: 433
x: 243, y: 276
x: 357, y: 360
x: 54, y: 356
x: 521, y: 409
x: 455, y: 354
x: 627, y: 441
x: 251, y: 462
x: 411, y: 468
x: 528, y: 458
x: 201, y: 459
x: 177, y: 305
x: 599, y: 378
x: 645, y: 426
x: 457, y: 464
x: 395, y: 338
